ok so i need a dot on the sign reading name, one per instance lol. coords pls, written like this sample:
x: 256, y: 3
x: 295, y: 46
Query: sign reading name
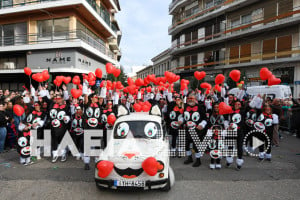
x: 58, y: 60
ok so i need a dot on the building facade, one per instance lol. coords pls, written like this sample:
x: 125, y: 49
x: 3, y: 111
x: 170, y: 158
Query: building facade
x: 218, y: 35
x: 143, y: 73
x: 67, y: 37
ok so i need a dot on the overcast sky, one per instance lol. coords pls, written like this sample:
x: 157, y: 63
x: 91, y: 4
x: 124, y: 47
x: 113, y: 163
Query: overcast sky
x: 144, y: 25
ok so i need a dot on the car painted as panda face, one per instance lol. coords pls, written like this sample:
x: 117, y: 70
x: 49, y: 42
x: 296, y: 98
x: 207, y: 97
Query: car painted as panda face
x: 137, y: 153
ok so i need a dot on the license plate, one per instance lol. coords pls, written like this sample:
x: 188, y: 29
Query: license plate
x: 129, y: 183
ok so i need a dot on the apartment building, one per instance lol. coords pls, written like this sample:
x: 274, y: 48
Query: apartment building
x: 218, y: 35
x: 67, y: 37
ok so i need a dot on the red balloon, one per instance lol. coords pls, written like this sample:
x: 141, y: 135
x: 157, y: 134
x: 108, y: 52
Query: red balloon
x: 76, y: 93
x: 151, y: 77
x: 111, y: 119
x: 131, y: 89
x: 205, y: 86
x: 39, y: 77
x: 92, y: 83
x: 98, y: 73
x: 104, y: 168
x: 55, y: 83
x: 224, y: 109
x: 125, y: 90
x: 91, y: 77
x: 45, y: 76
x: 60, y: 79
x: 199, y: 75
x: 130, y: 81
x: 76, y: 80
x: 139, y: 82
x: 218, y: 88
x: 116, y: 72
x: 149, y: 89
x: 273, y: 81
x: 235, y: 75
x: 151, y: 166
x: 119, y: 85
x: 80, y: 87
x: 18, y: 110
x: 265, y: 74
x: 27, y: 71
x: 137, y: 107
x: 109, y: 68
x: 67, y: 80
x: 220, y: 78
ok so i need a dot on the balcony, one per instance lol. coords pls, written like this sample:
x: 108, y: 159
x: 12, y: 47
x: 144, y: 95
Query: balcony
x: 67, y: 39
x: 174, y: 4
x: 18, y: 7
x: 239, y: 31
x: 260, y: 58
x: 207, y: 14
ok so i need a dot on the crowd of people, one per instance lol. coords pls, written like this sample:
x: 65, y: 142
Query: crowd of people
x: 190, y: 110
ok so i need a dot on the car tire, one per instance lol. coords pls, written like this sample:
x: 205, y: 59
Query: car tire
x: 167, y: 187
x: 100, y: 187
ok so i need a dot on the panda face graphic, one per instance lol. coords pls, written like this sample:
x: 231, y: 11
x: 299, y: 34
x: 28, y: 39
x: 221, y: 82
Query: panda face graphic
x: 22, y: 141
x: 55, y: 123
x: 191, y: 120
x: 25, y: 151
x: 92, y: 116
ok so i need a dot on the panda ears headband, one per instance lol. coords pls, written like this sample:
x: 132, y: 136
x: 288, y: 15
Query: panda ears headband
x: 122, y: 111
x: 155, y: 110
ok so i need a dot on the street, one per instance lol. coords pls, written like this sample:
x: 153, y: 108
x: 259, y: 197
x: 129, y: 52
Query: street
x: 279, y: 179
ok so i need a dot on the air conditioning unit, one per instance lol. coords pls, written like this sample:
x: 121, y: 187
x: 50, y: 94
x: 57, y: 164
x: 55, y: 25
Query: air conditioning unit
x: 9, y: 65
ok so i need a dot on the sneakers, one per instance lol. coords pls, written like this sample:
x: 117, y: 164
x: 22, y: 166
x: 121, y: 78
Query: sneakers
x: 212, y: 166
x: 197, y: 163
x: 63, y: 158
x: 218, y: 166
x: 188, y: 160
x: 54, y: 159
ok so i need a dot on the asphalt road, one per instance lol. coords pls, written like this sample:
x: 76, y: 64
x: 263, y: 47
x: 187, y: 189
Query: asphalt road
x: 279, y: 179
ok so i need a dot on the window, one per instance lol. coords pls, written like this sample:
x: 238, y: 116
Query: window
x: 285, y: 6
x: 234, y: 54
x: 269, y: 49
x: 195, y: 36
x: 270, y: 11
x: 246, y: 19
x: 6, y: 3
x: 21, y: 33
x: 284, y: 44
x: 245, y: 53
x: 53, y: 27
x: 209, y: 4
x: 8, y: 34
x: 208, y: 32
x: 194, y: 59
x: 187, y: 38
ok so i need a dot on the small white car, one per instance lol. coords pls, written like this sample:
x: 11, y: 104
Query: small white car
x: 137, y: 153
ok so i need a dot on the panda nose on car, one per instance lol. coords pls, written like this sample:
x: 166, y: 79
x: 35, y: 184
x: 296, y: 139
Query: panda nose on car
x: 129, y: 155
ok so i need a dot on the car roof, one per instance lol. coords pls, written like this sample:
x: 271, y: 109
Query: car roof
x: 140, y: 116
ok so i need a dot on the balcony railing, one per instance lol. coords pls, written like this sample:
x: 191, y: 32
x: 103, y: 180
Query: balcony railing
x: 201, y: 13
x: 276, y: 56
x: 173, y: 4
x: 101, y: 11
x: 56, y: 37
x: 237, y: 29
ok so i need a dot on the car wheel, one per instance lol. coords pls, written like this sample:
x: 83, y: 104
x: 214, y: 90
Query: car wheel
x: 167, y: 187
x: 100, y: 187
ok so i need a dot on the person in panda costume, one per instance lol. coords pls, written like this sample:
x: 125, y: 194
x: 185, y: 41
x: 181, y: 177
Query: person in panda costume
x: 194, y: 119
x: 34, y: 120
x: 264, y: 123
x: 59, y: 116
x: 77, y: 131
x: 108, y: 110
x: 216, y: 123
x: 237, y: 123
x: 174, y: 118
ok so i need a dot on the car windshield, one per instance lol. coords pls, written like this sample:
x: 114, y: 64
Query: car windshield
x: 138, y: 129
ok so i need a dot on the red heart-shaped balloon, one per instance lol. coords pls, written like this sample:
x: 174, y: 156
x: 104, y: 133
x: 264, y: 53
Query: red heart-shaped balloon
x: 67, y: 80
x: 18, y: 110
x: 235, y: 75
x: 98, y: 73
x: 104, y: 168
x: 150, y: 166
x: 224, y: 109
x: 199, y: 75
x: 220, y: 78
x: 273, y: 81
x: 265, y: 74
x: 27, y: 71
x: 76, y: 93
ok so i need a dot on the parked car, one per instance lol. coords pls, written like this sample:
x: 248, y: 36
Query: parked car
x: 136, y: 155
x: 275, y: 91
